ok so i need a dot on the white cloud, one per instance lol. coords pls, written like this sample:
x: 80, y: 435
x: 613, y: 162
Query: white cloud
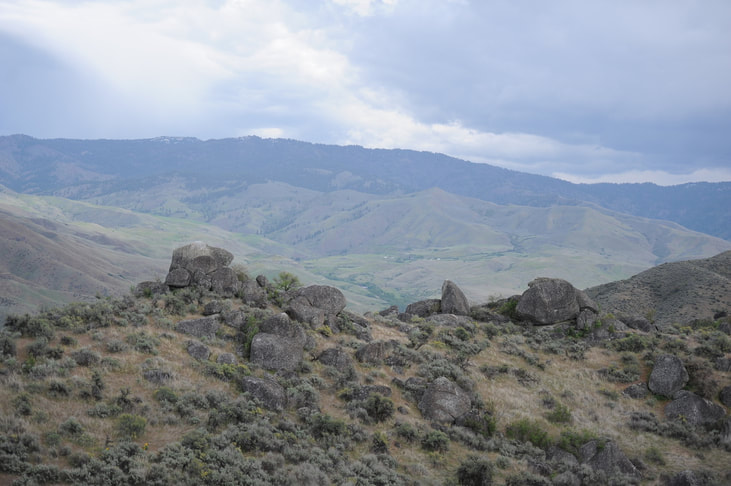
x: 658, y: 177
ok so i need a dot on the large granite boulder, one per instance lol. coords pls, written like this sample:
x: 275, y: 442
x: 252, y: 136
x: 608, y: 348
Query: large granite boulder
x: 424, y: 308
x: 725, y: 395
x: 279, y: 345
x: 454, y: 300
x: 553, y: 300
x: 337, y: 358
x: 374, y: 353
x: 444, y: 401
x: 270, y: 393
x: 276, y: 352
x: 668, y: 375
x: 203, y: 327
x: 607, y: 457
x: 316, y: 304
x: 204, y: 266
x: 254, y: 294
x: 693, y: 409
x: 198, y: 350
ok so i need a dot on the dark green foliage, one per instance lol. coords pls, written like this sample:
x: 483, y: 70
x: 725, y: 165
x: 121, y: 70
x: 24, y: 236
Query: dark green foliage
x: 86, y: 357
x: 58, y: 389
x: 508, y: 308
x: 130, y: 426
x: 526, y: 430
x: 286, y: 281
x: 143, y: 342
x: 7, y: 346
x: 561, y: 414
x: 407, y: 432
x: 68, y: 341
x: 71, y: 427
x: 165, y: 395
x: 23, y: 404
x: 435, y: 441
x: 379, y: 443
x: 420, y: 334
x: 225, y: 371
x: 379, y: 408
x: 30, y: 326
x: 246, y: 334
x: 475, y: 471
x: 633, y: 343
x: 654, y: 455
x: 572, y: 440
x: 323, y: 425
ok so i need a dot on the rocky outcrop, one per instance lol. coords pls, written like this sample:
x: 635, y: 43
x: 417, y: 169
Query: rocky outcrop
x: 553, y: 300
x: 668, y: 375
x: 725, y: 395
x: 204, y: 327
x: 454, y: 300
x: 374, y: 353
x: 198, y: 350
x: 204, y: 266
x: 227, y: 358
x: 607, y: 457
x: 316, y: 304
x: 253, y: 293
x: 279, y: 345
x: 270, y: 393
x: 424, y: 308
x: 636, y: 391
x: 444, y: 401
x: 336, y: 357
x: 693, y: 409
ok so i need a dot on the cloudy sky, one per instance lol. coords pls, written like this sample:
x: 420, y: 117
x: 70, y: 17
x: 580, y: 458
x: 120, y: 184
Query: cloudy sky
x: 616, y: 90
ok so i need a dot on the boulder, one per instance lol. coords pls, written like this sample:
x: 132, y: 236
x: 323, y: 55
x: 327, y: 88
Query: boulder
x: 336, y: 357
x: 606, y: 457
x: 637, y: 391
x: 204, y: 327
x: 444, y: 401
x: 270, y: 393
x: 227, y: 358
x: 198, y: 350
x: 224, y: 281
x: 552, y: 300
x: 275, y: 352
x: 253, y: 294
x: 214, y: 307
x: 329, y: 299
x: 454, y: 300
x: 300, y: 310
x: 725, y: 395
x: 723, y: 364
x: 282, y: 325
x: 639, y: 323
x: 150, y: 289
x: 687, y: 478
x: 668, y: 375
x: 202, y: 265
x: 374, y: 353
x: 424, y: 308
x: 693, y: 409
x: 586, y: 319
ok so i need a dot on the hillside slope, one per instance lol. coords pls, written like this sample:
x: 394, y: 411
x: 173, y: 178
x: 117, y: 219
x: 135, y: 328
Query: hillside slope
x: 191, y: 387
x: 671, y: 293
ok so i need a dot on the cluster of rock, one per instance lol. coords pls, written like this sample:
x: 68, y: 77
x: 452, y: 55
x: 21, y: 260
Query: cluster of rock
x: 281, y: 340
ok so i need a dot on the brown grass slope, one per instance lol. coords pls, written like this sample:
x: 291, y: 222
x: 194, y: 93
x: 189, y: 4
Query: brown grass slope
x: 77, y: 408
x: 677, y: 292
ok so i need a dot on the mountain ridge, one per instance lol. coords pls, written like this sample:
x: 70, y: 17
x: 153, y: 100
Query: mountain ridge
x: 98, y: 163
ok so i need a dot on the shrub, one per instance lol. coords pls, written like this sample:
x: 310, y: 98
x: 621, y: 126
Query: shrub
x: 71, y: 427
x: 143, y: 342
x: 131, y: 426
x: 571, y: 440
x: 86, y: 357
x: 435, y: 441
x: 115, y: 346
x: 286, y: 281
x: 653, y: 454
x: 30, y: 326
x: 165, y: 394
x: 7, y: 346
x: 633, y: 343
x: 22, y: 404
x: 379, y: 408
x: 475, y: 471
x: 407, y: 432
x: 561, y: 414
x: 526, y: 430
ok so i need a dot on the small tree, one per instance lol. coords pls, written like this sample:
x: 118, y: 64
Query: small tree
x: 286, y: 281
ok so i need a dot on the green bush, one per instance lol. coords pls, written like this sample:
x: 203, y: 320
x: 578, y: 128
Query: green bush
x: 131, y: 426
x: 71, y: 427
x: 475, y: 471
x: 561, y: 414
x: 407, y: 432
x: 379, y: 408
x: 435, y: 441
x: 526, y: 430
x: 165, y: 394
x: 572, y: 440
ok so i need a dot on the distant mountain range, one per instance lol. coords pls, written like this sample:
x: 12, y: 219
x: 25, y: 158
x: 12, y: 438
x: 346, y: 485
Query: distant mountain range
x: 82, y: 169
x: 85, y: 217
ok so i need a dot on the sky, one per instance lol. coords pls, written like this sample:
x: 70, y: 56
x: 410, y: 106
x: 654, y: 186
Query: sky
x: 599, y: 91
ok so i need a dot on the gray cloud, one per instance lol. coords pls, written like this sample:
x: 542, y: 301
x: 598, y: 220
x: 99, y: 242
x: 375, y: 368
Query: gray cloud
x: 583, y: 90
